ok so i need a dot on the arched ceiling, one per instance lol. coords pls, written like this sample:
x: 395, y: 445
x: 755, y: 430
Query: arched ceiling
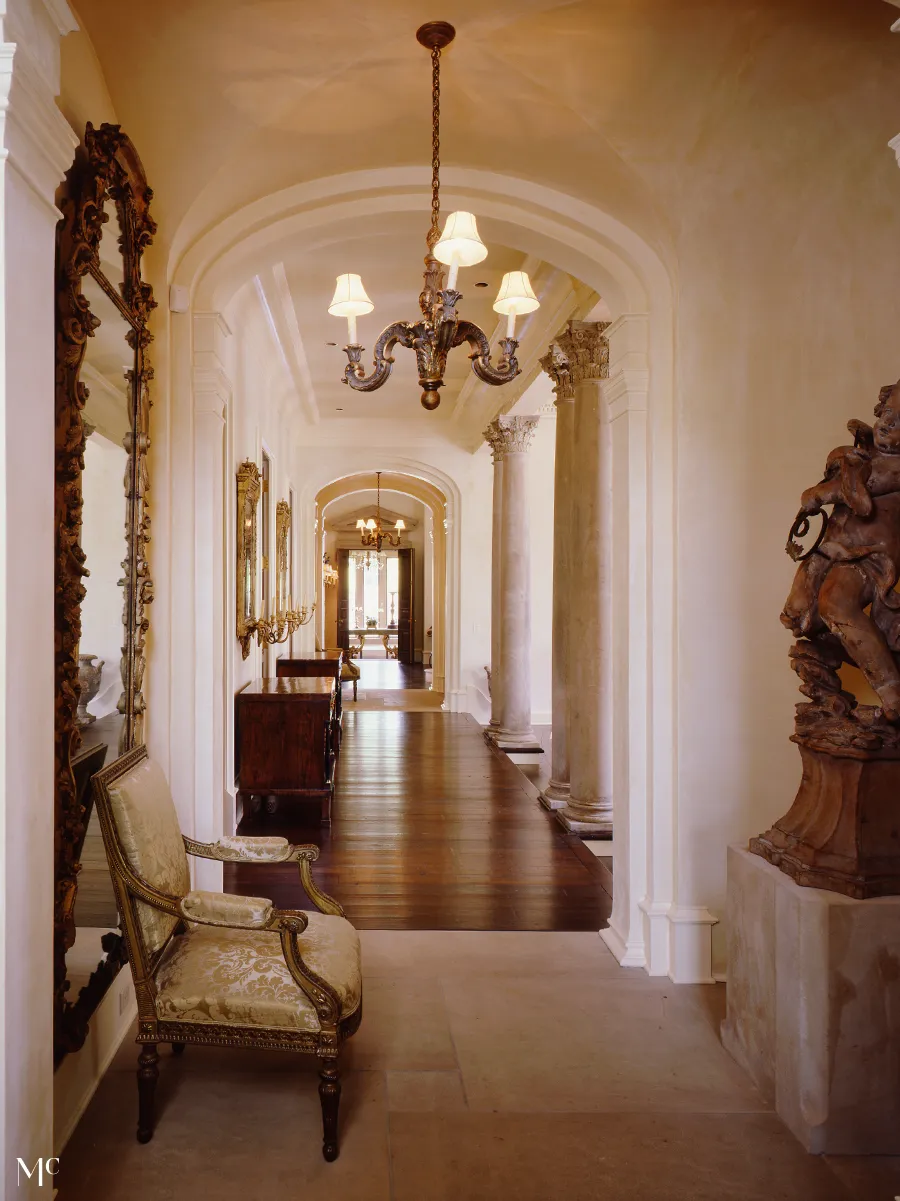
x: 625, y: 102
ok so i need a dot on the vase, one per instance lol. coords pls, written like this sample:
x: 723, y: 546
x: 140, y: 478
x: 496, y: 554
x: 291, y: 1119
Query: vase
x: 89, y: 678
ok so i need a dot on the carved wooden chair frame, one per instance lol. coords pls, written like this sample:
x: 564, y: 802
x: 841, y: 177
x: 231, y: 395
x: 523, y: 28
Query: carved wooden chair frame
x: 107, y: 172
x: 287, y: 923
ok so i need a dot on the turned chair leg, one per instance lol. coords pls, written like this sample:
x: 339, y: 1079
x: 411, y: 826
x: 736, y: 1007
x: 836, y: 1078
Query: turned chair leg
x: 147, y: 1075
x: 330, y: 1096
x: 178, y: 1048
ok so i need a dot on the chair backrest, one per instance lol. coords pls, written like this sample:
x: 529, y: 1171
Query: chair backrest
x: 138, y: 818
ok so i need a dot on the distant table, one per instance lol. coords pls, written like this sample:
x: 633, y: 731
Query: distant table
x: 371, y: 631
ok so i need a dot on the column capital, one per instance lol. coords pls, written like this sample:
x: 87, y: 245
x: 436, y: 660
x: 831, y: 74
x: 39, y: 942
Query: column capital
x: 509, y: 435
x: 585, y: 348
x: 556, y: 365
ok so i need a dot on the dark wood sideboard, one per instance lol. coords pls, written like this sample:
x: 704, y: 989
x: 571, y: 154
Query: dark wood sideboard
x: 323, y: 664
x: 284, y: 740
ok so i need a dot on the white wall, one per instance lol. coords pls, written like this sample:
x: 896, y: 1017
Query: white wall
x: 38, y: 149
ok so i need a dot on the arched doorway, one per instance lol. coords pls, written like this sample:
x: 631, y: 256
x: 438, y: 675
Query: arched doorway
x: 431, y: 542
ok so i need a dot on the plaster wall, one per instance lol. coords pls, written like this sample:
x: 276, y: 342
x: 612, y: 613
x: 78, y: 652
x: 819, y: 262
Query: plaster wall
x: 261, y: 417
x: 37, y: 148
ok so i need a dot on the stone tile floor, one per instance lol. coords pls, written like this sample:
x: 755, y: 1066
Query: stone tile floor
x: 489, y: 1066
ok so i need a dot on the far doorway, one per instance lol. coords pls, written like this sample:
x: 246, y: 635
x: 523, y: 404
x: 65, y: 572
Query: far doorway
x: 377, y: 625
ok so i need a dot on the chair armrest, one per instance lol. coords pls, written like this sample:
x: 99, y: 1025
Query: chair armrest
x: 225, y: 909
x: 237, y: 848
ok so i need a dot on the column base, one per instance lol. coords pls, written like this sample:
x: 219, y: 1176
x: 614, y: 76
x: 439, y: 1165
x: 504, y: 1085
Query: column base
x: 586, y: 825
x: 521, y: 741
x: 555, y: 796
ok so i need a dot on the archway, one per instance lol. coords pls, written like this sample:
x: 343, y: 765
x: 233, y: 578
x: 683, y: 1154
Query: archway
x: 436, y: 502
x: 629, y: 273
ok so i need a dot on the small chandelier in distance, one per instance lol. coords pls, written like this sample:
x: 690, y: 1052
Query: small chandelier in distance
x: 439, y: 330
x: 372, y: 533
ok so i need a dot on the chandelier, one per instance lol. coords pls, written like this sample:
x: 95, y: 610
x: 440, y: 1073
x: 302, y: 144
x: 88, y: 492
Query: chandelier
x: 372, y: 533
x: 440, y: 329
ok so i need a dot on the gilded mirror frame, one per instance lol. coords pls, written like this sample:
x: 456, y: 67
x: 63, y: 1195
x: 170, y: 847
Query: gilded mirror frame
x: 283, y: 589
x: 107, y: 175
x: 247, y: 543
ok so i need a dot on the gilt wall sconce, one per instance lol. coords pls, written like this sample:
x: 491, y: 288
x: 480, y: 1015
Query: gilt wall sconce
x: 277, y: 627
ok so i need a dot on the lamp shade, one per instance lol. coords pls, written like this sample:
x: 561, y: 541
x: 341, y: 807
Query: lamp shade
x: 350, y: 299
x: 516, y: 295
x: 460, y: 244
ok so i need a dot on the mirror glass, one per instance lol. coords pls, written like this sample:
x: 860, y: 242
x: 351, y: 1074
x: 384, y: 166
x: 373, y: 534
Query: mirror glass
x: 107, y: 373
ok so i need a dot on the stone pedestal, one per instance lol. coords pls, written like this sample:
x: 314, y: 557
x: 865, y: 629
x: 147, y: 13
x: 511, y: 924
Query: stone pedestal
x: 814, y: 1006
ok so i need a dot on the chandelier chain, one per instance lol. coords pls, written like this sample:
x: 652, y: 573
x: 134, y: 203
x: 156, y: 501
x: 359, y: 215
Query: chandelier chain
x: 434, y: 233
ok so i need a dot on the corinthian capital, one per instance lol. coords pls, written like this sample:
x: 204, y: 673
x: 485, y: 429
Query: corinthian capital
x: 508, y: 435
x: 556, y: 366
x: 585, y: 349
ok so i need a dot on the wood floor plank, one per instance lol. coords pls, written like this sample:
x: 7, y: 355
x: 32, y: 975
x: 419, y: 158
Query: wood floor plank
x: 433, y: 830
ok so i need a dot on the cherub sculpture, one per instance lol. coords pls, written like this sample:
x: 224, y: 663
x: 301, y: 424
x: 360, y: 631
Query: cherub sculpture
x: 843, y: 604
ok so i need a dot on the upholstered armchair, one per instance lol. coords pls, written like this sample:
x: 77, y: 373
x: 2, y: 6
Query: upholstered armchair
x: 217, y: 969
x: 349, y: 671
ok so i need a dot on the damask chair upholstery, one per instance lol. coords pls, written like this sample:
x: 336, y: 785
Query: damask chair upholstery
x: 217, y: 969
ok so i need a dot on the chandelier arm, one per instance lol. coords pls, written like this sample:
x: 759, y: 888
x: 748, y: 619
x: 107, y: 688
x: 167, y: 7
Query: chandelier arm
x: 506, y: 369
x: 400, y: 332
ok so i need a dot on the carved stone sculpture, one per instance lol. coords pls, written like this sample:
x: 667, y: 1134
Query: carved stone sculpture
x: 843, y: 831
x: 89, y: 674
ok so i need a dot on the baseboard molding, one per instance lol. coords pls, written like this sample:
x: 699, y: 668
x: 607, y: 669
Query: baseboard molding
x: 627, y: 955
x: 678, y: 940
x: 79, y: 1074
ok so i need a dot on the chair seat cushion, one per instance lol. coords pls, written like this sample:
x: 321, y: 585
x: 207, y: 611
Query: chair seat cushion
x: 232, y: 977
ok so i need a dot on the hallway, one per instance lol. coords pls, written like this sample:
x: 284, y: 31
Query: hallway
x: 434, y: 830
x: 461, y: 1087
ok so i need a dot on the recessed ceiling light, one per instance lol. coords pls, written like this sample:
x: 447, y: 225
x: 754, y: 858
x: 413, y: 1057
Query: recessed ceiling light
x: 481, y: 284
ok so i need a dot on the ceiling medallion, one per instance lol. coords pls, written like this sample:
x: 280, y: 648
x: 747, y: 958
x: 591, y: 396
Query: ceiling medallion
x: 440, y: 329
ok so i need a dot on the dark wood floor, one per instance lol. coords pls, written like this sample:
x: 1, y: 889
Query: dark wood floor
x: 433, y: 830
x: 378, y: 672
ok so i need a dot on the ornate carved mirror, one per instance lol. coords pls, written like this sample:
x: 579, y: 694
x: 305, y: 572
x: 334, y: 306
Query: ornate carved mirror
x: 102, y: 581
x: 248, y: 489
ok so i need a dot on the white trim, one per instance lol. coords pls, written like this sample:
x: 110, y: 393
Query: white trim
x: 690, y: 944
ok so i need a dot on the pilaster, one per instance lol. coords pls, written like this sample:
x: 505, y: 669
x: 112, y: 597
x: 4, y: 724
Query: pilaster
x: 211, y: 400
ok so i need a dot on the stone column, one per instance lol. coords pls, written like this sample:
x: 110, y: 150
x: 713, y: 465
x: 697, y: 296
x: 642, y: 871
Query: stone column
x: 556, y: 793
x: 496, y: 679
x: 509, y: 438
x: 589, y: 807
